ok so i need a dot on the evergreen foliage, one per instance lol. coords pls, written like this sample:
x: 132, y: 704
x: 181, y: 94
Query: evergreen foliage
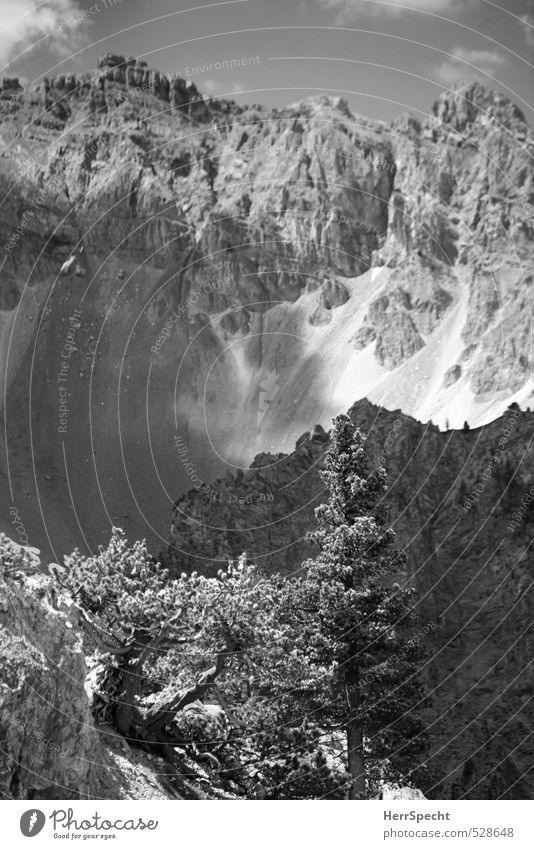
x: 285, y: 688
x: 365, y: 621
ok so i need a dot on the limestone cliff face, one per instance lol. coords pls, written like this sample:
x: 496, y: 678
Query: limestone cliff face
x: 240, y: 272
x: 50, y: 749
x: 461, y: 504
x: 461, y: 227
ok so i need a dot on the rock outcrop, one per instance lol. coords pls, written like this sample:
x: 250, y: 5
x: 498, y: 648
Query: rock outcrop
x: 50, y: 748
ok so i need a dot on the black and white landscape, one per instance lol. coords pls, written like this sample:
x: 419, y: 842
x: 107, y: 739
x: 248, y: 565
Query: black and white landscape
x: 266, y: 468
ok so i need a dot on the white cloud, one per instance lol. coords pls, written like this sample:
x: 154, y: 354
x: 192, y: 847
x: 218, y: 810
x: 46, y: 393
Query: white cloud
x: 213, y: 88
x: 469, y: 64
x: 349, y: 9
x: 24, y: 22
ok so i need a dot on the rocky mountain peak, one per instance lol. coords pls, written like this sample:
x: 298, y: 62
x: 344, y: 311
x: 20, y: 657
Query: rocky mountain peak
x: 469, y: 103
x: 114, y: 60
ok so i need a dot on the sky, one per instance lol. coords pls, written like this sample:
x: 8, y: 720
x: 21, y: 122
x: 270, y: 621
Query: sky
x: 386, y: 57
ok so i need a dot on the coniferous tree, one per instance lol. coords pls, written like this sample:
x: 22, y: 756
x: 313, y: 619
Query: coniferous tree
x: 366, y: 623
x: 159, y: 646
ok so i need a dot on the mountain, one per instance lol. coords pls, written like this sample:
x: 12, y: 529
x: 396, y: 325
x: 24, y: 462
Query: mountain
x: 188, y: 273
x: 188, y: 285
x: 461, y: 505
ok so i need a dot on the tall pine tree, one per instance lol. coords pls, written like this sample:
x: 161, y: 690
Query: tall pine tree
x: 366, y: 623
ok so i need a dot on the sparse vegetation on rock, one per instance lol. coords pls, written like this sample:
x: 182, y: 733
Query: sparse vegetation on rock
x: 160, y: 647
